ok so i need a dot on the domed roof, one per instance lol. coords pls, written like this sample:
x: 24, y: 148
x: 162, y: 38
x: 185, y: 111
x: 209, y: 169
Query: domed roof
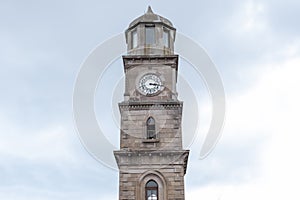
x: 149, y: 16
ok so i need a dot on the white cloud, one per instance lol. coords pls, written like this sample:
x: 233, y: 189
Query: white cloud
x: 23, y: 192
x: 269, y: 112
x: 253, y: 19
x: 49, y: 163
x: 51, y: 145
x: 250, y: 18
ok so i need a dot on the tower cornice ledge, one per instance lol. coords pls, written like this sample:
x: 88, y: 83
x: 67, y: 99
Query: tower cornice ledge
x: 131, y: 159
x: 168, y: 105
x: 137, y: 60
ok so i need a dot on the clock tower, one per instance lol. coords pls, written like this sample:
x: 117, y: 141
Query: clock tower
x: 151, y: 160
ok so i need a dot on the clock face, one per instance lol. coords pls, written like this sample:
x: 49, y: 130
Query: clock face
x: 150, y: 84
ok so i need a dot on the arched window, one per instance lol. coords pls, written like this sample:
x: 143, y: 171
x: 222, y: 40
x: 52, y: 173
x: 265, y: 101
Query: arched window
x: 151, y: 128
x: 151, y: 190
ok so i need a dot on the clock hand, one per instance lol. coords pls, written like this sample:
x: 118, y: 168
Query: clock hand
x: 156, y: 84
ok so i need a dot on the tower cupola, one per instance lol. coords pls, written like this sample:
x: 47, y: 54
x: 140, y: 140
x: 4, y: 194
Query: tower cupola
x: 150, y: 34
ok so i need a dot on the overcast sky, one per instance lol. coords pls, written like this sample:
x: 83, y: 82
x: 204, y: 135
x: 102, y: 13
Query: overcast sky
x: 254, y: 44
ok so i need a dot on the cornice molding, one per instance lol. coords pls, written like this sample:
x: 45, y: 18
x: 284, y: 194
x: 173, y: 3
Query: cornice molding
x: 150, y: 105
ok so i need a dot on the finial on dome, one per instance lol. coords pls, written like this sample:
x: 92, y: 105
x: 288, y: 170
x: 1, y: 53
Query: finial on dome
x: 149, y: 11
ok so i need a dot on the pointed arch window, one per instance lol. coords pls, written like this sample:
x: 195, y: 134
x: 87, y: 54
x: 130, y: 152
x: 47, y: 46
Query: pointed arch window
x: 151, y: 128
x: 151, y: 190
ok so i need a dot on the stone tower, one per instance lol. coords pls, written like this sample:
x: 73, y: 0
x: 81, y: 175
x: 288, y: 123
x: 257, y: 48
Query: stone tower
x: 151, y: 160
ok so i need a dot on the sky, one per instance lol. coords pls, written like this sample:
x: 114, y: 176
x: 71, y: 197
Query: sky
x: 255, y: 46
